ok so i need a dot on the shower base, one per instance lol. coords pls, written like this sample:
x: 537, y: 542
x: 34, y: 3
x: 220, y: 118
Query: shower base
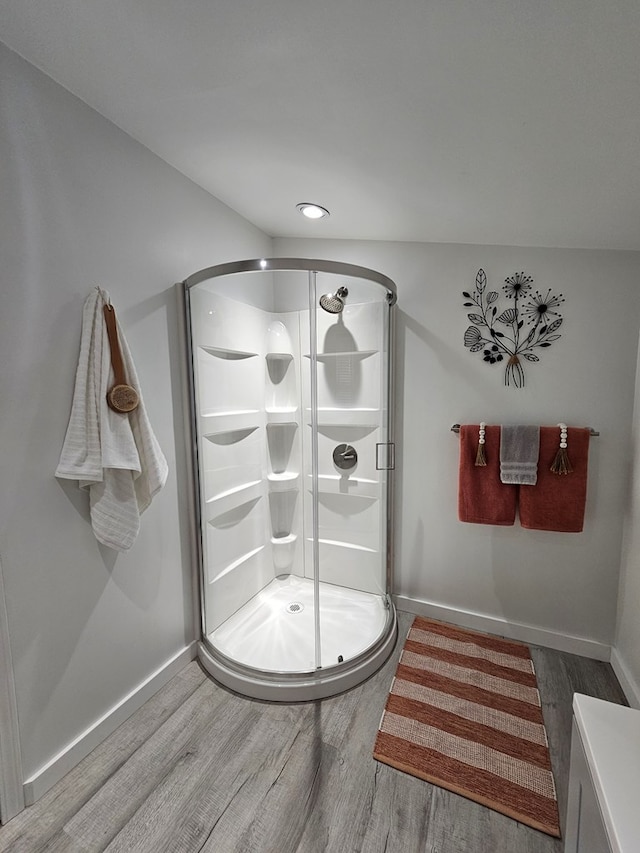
x: 266, y: 649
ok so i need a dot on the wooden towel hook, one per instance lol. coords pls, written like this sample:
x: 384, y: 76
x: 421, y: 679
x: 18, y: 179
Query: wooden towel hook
x: 121, y: 397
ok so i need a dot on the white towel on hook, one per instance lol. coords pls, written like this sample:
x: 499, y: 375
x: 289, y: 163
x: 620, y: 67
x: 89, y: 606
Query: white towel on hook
x: 115, y: 456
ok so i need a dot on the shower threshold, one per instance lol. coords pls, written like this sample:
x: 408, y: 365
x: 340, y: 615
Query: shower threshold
x: 273, y: 635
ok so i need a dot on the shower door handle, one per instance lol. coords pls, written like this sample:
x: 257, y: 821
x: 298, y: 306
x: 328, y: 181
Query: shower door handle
x: 385, y: 456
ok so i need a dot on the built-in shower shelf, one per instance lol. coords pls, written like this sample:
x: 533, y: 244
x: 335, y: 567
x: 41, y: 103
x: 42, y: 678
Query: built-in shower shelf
x: 341, y: 501
x: 281, y: 414
x: 279, y: 356
x: 337, y: 478
x: 228, y: 354
x: 284, y: 540
x: 227, y: 500
x: 278, y: 364
x: 230, y: 413
x: 362, y: 417
x: 230, y: 436
x: 214, y: 423
x: 234, y: 510
x: 355, y: 354
x: 342, y: 432
x: 282, y: 481
x: 236, y: 563
x: 334, y: 484
x: 348, y: 545
x: 283, y: 549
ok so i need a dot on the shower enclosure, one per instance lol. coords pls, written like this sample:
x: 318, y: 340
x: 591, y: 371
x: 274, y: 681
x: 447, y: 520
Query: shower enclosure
x: 289, y: 367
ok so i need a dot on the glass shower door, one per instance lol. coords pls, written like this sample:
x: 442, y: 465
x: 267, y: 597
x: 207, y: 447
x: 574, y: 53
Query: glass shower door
x: 289, y: 433
x: 347, y: 453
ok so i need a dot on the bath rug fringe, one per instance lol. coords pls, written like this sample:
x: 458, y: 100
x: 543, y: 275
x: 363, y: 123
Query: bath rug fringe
x: 464, y: 713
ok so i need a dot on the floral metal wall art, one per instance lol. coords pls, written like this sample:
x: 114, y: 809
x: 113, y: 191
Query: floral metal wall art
x: 502, y: 336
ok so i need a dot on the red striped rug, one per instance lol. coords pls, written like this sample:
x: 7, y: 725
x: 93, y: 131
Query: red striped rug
x: 464, y: 713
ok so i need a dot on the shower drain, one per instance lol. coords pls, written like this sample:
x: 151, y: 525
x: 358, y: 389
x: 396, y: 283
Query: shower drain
x: 294, y: 607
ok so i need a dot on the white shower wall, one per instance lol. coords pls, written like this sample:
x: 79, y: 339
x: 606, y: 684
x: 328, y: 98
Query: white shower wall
x: 253, y: 396
x: 245, y: 501
x: 351, y: 379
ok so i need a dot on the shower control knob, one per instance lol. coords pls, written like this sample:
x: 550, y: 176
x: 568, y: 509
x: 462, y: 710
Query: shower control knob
x: 345, y: 456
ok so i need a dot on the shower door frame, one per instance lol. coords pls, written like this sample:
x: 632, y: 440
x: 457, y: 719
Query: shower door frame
x: 283, y: 686
x: 12, y: 798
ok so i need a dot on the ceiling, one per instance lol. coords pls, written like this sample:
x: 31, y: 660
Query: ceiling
x: 463, y: 121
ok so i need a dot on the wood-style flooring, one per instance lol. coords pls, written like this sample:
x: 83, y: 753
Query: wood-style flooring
x: 199, y: 768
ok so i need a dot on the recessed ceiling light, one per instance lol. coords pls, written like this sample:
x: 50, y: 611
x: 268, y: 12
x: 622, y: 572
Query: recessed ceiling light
x: 312, y: 211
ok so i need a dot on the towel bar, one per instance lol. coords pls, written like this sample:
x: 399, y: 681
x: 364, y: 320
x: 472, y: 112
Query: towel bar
x: 456, y: 428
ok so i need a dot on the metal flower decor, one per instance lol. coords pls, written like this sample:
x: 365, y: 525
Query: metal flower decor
x: 514, y: 343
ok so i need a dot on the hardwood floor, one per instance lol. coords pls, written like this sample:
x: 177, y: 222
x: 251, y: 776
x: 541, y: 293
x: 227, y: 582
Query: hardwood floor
x: 198, y: 768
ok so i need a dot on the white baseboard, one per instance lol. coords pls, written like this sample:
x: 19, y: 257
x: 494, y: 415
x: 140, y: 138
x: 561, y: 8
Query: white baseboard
x: 74, y: 752
x: 628, y: 683
x: 504, y: 628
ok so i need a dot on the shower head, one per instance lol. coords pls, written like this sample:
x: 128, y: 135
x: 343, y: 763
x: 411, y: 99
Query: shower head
x: 334, y: 302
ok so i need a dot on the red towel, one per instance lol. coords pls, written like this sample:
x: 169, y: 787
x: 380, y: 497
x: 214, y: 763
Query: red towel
x: 482, y: 497
x: 557, y: 501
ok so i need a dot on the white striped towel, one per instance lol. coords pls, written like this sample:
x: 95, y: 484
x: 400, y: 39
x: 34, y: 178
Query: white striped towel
x: 115, y: 456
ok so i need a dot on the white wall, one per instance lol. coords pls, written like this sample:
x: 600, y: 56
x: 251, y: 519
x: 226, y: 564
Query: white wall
x: 552, y: 587
x: 626, y: 659
x: 83, y: 204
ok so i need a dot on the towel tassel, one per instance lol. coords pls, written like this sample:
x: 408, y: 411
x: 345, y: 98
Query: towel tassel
x: 561, y: 464
x: 481, y: 458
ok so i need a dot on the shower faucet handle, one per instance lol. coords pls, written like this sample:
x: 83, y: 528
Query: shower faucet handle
x: 345, y: 456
